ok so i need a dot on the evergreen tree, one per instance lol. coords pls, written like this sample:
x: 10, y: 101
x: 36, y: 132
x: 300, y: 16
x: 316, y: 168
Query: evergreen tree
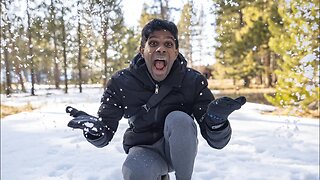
x: 44, y: 45
x: 30, y: 47
x: 229, y: 52
x: 185, y: 31
x: 130, y: 46
x: 110, y: 28
x: 6, y: 45
x: 159, y: 9
x: 202, y: 34
x: 64, y: 46
x: 254, y: 36
x: 296, y: 40
x: 53, y: 26
x: 79, y: 36
x: 199, y: 39
x: 164, y: 12
x: 146, y: 15
x: 20, y: 53
x: 243, y: 51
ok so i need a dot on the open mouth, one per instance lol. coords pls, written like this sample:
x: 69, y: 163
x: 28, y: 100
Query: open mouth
x: 160, y: 64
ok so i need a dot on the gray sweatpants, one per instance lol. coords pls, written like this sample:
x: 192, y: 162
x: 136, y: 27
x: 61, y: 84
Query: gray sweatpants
x: 176, y: 151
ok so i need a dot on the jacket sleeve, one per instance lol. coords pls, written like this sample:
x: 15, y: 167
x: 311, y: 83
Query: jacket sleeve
x: 110, y: 112
x: 216, y: 138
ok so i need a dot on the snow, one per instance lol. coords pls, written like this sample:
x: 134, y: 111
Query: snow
x: 38, y: 145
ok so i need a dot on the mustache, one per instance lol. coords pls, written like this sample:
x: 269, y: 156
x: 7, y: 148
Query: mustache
x: 160, y: 58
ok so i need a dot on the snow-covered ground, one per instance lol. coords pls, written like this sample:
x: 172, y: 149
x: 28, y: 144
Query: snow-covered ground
x: 38, y: 145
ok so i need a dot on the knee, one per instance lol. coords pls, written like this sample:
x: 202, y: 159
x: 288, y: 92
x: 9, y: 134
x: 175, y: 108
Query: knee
x: 179, y: 119
x: 143, y: 164
x: 134, y: 171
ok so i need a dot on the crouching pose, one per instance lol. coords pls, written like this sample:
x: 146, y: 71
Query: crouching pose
x: 162, y: 99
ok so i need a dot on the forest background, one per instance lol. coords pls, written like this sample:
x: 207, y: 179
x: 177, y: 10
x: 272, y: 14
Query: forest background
x: 265, y: 50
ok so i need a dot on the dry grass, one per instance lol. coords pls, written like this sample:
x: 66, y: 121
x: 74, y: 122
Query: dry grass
x: 253, y: 94
x: 226, y: 87
x: 9, y: 110
x: 285, y: 112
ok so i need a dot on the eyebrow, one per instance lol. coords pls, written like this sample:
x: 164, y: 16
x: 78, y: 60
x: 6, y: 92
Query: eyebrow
x: 167, y: 37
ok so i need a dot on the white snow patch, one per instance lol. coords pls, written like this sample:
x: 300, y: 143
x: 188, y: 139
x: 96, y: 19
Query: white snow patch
x: 38, y: 145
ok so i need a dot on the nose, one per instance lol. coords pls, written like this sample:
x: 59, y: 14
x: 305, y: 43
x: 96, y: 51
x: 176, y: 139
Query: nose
x: 161, y: 49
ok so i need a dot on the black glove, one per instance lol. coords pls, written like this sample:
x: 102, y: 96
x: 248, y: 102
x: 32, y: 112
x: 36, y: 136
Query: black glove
x: 219, y: 110
x: 82, y: 120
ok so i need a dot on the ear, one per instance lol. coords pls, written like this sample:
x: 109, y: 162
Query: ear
x: 176, y: 52
x: 141, y: 50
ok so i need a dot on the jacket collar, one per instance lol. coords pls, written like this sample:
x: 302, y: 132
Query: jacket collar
x: 174, y: 79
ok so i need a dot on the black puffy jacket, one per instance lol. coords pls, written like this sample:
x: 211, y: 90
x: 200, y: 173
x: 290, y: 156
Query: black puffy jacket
x: 130, y: 89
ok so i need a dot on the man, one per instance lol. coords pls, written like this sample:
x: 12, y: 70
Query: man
x: 161, y: 97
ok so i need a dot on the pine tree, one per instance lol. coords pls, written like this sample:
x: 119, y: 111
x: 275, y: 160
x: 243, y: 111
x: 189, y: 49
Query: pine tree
x: 110, y: 30
x: 146, y: 15
x: 20, y: 52
x: 185, y: 32
x: 296, y: 40
x: 243, y: 51
x: 229, y: 52
x: 30, y: 47
x: 6, y: 45
x: 64, y: 46
x: 52, y: 24
x: 129, y: 47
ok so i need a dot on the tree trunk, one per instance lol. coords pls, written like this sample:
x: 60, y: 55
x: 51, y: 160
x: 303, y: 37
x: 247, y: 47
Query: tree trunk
x: 260, y: 79
x: 55, y: 59
x: 64, y: 53
x: 272, y: 68
x: 79, y: 52
x: 246, y: 82
x: 30, y: 46
x: 241, y: 24
x: 8, y: 86
x: 164, y: 9
x: 20, y: 71
x: 105, y: 49
x: 21, y: 79
x: 5, y: 30
x: 17, y: 66
x: 268, y: 77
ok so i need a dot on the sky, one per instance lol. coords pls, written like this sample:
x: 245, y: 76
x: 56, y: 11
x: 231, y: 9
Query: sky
x: 132, y: 9
x: 38, y: 145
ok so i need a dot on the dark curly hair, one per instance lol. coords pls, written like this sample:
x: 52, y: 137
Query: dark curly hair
x: 159, y: 24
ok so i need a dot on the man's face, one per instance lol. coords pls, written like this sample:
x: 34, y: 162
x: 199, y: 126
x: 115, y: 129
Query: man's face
x: 159, y: 52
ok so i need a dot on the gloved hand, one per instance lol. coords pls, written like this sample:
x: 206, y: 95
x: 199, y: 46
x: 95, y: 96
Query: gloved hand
x: 219, y: 110
x: 89, y: 124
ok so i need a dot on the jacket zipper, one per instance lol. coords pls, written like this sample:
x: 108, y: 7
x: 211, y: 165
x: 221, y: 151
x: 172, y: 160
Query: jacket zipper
x: 156, y: 90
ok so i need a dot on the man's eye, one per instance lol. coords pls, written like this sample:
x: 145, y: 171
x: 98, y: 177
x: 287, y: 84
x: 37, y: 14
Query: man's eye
x: 153, y: 43
x: 168, y: 44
